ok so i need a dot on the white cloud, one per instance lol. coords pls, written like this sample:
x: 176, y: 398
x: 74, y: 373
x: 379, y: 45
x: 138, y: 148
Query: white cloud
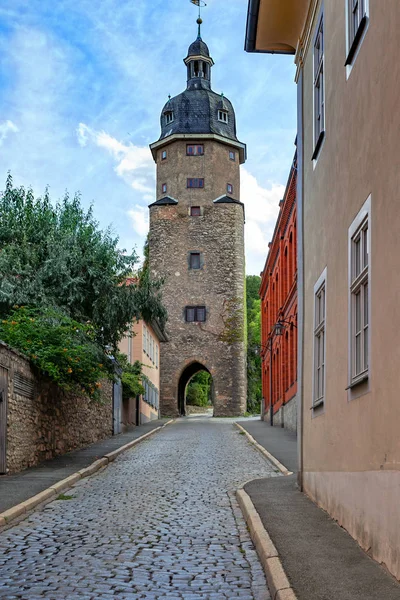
x: 134, y: 163
x: 262, y: 208
x: 140, y: 219
x: 7, y: 127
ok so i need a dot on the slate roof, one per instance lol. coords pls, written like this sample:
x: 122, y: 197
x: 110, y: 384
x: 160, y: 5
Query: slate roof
x: 198, y: 47
x: 227, y: 200
x: 196, y: 109
x: 164, y: 201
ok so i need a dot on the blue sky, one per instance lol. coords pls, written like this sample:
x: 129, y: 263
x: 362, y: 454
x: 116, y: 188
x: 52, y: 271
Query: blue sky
x: 83, y: 84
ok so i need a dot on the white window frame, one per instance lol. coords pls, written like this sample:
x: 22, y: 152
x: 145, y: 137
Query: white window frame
x: 355, y: 39
x: 223, y: 116
x: 319, y: 349
x: 169, y: 116
x: 144, y: 338
x: 319, y: 120
x: 359, y: 282
x: 157, y: 355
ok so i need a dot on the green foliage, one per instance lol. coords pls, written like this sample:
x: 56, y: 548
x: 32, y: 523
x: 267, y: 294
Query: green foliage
x: 131, y: 377
x: 68, y: 277
x: 63, y: 349
x: 253, y: 305
x: 56, y: 255
x: 199, y: 389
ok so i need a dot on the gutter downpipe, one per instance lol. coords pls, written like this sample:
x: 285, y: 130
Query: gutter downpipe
x: 271, y: 408
x: 251, y: 25
x: 300, y: 279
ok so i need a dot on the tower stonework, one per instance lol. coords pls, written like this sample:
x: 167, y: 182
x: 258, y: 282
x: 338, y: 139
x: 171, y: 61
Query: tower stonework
x: 196, y: 242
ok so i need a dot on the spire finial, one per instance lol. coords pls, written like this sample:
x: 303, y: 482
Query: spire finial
x: 199, y: 21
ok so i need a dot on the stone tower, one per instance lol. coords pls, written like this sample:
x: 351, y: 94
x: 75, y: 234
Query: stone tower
x: 196, y: 242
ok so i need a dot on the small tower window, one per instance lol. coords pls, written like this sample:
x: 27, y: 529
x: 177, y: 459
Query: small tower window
x: 169, y: 117
x: 195, y: 314
x: 194, y: 183
x: 196, y: 150
x: 229, y: 188
x: 232, y: 155
x: 164, y: 188
x: 223, y: 116
x: 164, y: 155
x: 194, y: 260
x: 195, y: 211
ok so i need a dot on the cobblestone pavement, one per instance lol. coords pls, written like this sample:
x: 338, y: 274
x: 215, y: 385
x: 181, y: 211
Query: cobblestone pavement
x: 160, y: 522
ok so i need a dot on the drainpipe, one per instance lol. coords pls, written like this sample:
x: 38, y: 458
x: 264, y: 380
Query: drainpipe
x: 271, y: 409
x: 300, y: 279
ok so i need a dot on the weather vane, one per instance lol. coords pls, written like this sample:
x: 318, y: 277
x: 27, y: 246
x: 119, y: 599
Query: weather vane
x: 200, y: 4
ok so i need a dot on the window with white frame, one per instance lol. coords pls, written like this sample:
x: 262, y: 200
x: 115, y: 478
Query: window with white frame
x: 156, y: 355
x: 357, y: 20
x: 319, y: 87
x: 359, y: 250
x: 144, y: 338
x: 319, y: 340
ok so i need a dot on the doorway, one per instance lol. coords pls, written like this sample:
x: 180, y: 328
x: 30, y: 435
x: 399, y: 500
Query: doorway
x: 195, y: 388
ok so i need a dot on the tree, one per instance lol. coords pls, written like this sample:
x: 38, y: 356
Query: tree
x: 253, y: 306
x: 198, y: 389
x: 64, y: 298
x: 56, y: 256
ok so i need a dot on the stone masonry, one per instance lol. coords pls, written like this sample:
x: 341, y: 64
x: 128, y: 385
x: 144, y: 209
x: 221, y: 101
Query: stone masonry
x: 217, y: 345
x: 44, y: 421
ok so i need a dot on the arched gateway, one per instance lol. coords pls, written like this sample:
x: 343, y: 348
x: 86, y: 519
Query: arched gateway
x: 188, y: 373
x: 196, y: 241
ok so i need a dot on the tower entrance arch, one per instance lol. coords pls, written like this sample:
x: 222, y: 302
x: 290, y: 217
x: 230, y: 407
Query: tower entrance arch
x: 184, y: 380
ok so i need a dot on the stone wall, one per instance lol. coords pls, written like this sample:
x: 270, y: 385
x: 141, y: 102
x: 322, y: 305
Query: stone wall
x: 44, y: 421
x: 217, y: 344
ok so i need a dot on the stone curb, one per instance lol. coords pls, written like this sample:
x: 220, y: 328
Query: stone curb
x: 278, y: 582
x: 50, y: 493
x: 265, y: 452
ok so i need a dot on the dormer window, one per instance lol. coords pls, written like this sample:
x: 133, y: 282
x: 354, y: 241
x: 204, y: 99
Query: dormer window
x: 223, y: 116
x: 169, y: 116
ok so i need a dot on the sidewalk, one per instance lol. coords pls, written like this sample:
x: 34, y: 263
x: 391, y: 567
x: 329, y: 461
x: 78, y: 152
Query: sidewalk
x: 21, y: 486
x: 321, y: 560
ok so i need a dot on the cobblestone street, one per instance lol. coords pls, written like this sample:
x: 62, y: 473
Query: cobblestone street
x: 160, y: 522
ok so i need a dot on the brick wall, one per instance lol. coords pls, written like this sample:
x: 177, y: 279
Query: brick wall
x: 44, y: 421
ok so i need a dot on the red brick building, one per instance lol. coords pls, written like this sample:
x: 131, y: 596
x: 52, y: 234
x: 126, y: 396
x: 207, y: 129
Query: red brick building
x: 278, y: 293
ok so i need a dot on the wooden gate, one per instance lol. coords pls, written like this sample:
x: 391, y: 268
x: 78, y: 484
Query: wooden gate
x: 3, y: 418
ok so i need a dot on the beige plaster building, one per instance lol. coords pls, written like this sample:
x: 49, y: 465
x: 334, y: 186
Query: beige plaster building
x: 348, y: 255
x: 142, y: 343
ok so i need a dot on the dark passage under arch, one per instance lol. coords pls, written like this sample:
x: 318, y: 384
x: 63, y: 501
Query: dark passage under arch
x: 186, y: 376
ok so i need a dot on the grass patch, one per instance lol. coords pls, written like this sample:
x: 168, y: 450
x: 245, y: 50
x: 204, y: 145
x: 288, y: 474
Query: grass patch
x: 64, y: 497
x: 242, y: 433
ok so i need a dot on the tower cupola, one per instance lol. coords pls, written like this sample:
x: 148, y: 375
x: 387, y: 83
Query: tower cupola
x: 198, y: 63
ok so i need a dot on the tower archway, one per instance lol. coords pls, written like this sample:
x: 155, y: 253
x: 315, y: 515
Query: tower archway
x: 187, y: 374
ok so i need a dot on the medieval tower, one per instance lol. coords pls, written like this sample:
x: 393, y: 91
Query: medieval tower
x: 196, y: 242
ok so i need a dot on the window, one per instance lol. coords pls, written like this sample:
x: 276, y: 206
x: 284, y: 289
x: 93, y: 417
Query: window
x: 197, y: 150
x: 223, y: 116
x: 232, y: 155
x: 195, y: 183
x: 195, y: 314
x: 164, y: 155
x: 319, y: 103
x: 357, y: 20
x: 194, y: 260
x: 169, y: 117
x: 156, y: 355
x: 195, y: 211
x: 144, y: 338
x: 229, y: 188
x: 319, y: 340
x: 164, y: 188
x: 359, y: 251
